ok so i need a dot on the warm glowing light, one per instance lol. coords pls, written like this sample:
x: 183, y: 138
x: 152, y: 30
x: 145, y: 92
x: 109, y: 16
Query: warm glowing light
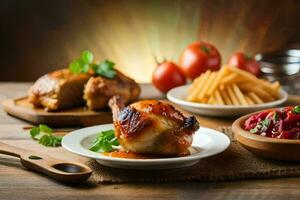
x: 130, y: 33
x: 132, y: 39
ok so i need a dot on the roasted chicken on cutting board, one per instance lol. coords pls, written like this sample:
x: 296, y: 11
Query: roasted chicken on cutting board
x: 62, y: 89
x: 58, y: 90
x: 99, y: 90
x: 152, y: 127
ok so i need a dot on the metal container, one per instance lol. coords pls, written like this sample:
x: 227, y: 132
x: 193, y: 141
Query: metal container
x: 282, y: 66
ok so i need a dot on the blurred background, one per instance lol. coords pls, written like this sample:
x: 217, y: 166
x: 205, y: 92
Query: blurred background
x: 39, y: 36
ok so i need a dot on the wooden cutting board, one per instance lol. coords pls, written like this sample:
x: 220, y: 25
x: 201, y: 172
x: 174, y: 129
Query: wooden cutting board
x: 80, y: 116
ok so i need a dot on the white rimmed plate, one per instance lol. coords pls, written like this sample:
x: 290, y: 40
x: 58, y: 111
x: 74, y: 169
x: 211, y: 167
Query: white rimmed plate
x: 207, y: 142
x: 177, y: 95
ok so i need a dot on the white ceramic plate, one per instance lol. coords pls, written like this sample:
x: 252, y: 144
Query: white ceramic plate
x: 207, y: 142
x: 177, y: 95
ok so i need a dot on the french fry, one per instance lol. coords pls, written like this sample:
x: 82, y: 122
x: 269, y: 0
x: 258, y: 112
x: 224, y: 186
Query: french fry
x: 251, y: 78
x: 255, y: 98
x: 203, y: 92
x: 229, y: 79
x: 225, y: 97
x: 232, y: 86
x: 232, y: 96
x: 204, y: 100
x: 242, y: 73
x: 215, y: 84
x: 239, y: 94
x: 214, y: 101
x: 248, y: 87
x: 218, y: 97
x: 240, y: 79
x: 195, y: 82
x: 268, y: 88
x: 249, y: 100
x: 192, y: 89
x: 197, y: 87
x: 275, y: 86
x: 221, y: 87
x: 210, y: 100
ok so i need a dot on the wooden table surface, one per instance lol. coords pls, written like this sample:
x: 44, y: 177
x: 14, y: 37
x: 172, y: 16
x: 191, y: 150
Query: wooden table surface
x: 18, y: 183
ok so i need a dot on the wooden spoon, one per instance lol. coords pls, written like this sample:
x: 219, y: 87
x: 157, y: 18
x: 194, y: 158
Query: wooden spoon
x: 52, y: 167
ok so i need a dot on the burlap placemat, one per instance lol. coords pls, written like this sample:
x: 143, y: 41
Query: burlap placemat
x: 235, y: 163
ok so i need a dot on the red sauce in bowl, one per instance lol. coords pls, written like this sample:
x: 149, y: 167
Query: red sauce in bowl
x: 282, y: 123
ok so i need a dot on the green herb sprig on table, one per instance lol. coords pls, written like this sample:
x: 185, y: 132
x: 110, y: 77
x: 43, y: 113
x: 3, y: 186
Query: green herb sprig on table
x: 105, y: 141
x: 84, y: 64
x: 44, y: 135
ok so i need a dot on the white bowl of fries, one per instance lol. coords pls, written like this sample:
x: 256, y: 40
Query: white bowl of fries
x: 226, y: 93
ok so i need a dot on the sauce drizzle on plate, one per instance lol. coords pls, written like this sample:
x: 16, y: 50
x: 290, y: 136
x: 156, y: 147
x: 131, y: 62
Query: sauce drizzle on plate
x: 131, y: 155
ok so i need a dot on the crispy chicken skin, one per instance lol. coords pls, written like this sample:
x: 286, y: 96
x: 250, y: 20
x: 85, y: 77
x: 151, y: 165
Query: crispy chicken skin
x: 152, y: 127
x: 99, y: 90
x: 58, y: 90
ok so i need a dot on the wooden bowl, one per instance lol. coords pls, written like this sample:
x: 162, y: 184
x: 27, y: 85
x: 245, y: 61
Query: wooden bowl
x: 279, y: 149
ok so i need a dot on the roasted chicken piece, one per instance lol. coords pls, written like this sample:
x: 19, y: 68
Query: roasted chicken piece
x: 58, y: 90
x: 99, y: 90
x: 152, y: 127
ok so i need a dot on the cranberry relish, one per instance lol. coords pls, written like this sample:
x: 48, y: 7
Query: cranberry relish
x: 283, y: 123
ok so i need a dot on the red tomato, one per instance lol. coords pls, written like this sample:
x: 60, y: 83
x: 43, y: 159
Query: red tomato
x: 166, y: 76
x: 245, y: 62
x: 199, y: 57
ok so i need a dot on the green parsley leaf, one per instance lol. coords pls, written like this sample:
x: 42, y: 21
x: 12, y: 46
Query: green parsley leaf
x: 45, y: 140
x: 34, y: 132
x: 81, y: 65
x: 114, y: 141
x: 84, y: 64
x: 85, y: 68
x: 87, y: 57
x: 265, y: 122
x: 45, y: 129
x: 276, y: 116
x: 50, y: 140
x: 105, y: 141
x: 105, y: 69
x: 254, y: 130
x: 44, y: 135
x: 296, y: 110
x: 75, y: 66
x: 106, y: 146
